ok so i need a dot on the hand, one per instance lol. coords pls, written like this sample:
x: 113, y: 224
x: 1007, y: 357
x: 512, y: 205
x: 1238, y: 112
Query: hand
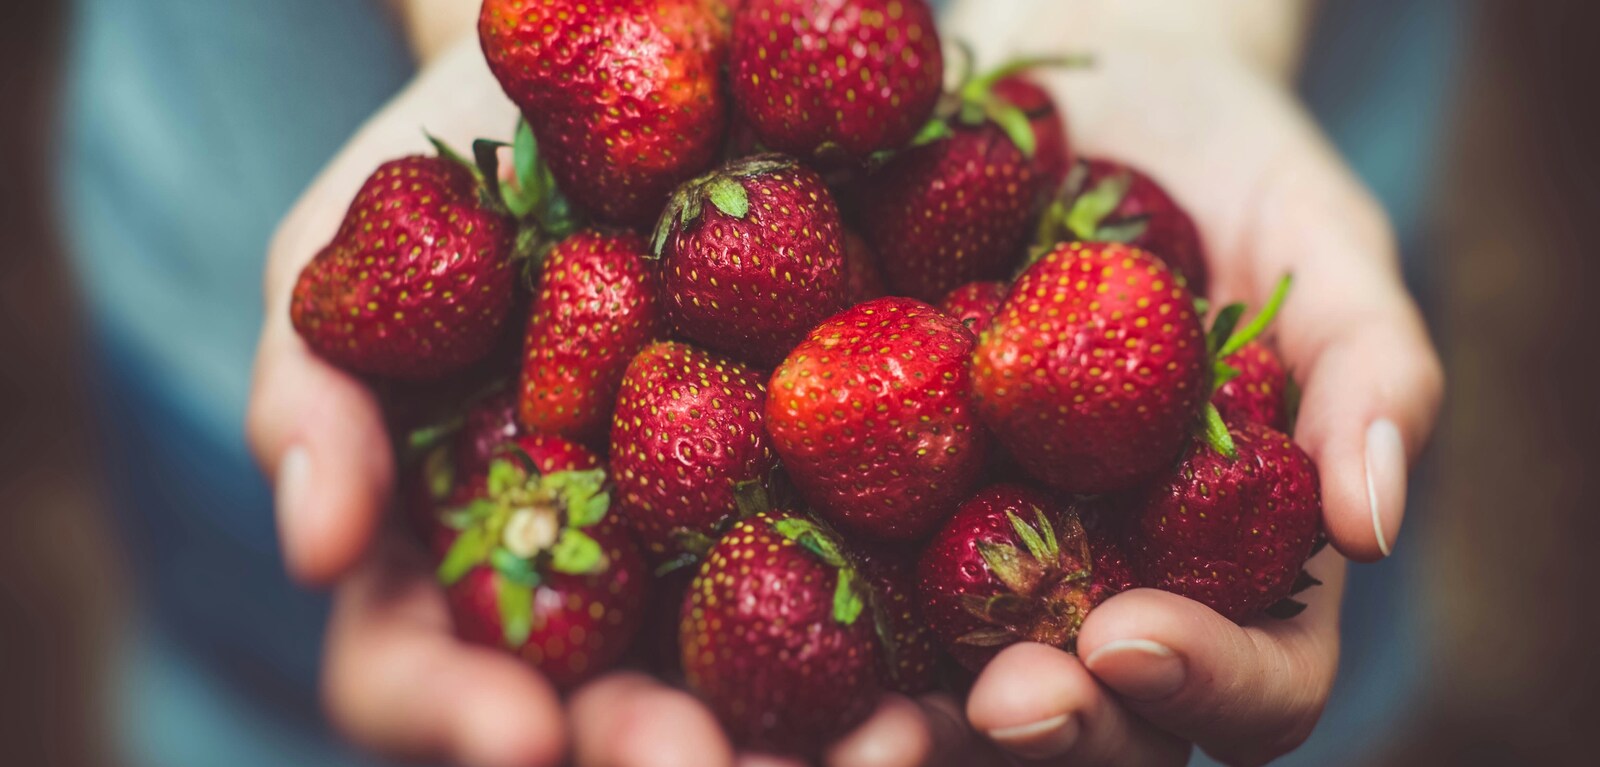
x: 1223, y: 133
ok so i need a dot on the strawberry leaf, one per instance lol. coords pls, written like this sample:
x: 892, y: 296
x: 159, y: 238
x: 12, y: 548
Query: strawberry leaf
x: 1052, y: 547
x: 1258, y: 324
x: 1222, y: 328
x: 694, y: 543
x: 750, y: 496
x: 1030, y: 538
x: 575, y: 553
x: 1225, y: 373
x: 676, y: 563
x: 806, y: 533
x: 439, y: 469
x: 1286, y: 608
x: 1007, y: 564
x: 988, y: 637
x: 513, y: 568
x: 1015, y: 124
x: 729, y: 196
x: 1123, y: 231
x: 470, y: 549
x: 1217, y: 435
x: 515, y: 601
x: 1092, y: 207
x: 847, y: 603
x: 588, y: 511
x: 504, y: 476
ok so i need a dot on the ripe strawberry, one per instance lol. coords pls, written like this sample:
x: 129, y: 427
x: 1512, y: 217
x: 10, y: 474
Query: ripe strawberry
x: 751, y: 257
x: 688, y: 429
x: 1095, y: 370
x: 624, y: 95
x: 1012, y: 565
x: 1053, y: 155
x: 871, y: 416
x: 911, y: 656
x: 418, y: 281
x: 1259, y: 393
x: 1105, y: 523
x: 975, y: 303
x: 597, y: 306
x: 862, y: 280
x: 1107, y: 201
x: 541, y: 569
x: 835, y: 77
x: 1230, y: 533
x: 777, y: 638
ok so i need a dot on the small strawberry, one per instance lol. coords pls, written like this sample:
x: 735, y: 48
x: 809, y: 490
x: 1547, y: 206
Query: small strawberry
x: 862, y: 280
x: 975, y: 303
x: 1012, y: 565
x: 1230, y: 533
x: 911, y: 656
x: 871, y: 416
x: 1107, y: 201
x: 688, y: 429
x: 751, y: 257
x: 625, y: 95
x: 597, y: 305
x: 1260, y: 392
x: 836, y: 77
x: 1095, y: 369
x: 777, y: 636
x: 540, y: 568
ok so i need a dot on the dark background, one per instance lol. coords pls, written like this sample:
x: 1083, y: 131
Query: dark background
x: 1513, y: 670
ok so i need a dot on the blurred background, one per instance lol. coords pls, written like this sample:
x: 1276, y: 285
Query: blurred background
x: 122, y: 640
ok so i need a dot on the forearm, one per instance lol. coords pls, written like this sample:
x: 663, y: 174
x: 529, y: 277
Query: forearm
x: 431, y: 26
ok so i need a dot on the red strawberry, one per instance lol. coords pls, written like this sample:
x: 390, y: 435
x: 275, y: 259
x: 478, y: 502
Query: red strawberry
x: 911, y: 656
x: 624, y: 95
x: 1107, y: 201
x: 1105, y: 524
x: 751, y: 257
x: 776, y: 636
x: 1259, y: 393
x: 1230, y: 533
x: 1012, y: 565
x: 862, y: 280
x: 975, y: 303
x: 541, y: 569
x: 418, y: 281
x: 688, y: 428
x: 1053, y: 155
x: 845, y: 77
x: 1095, y: 370
x: 597, y: 306
x: 871, y: 417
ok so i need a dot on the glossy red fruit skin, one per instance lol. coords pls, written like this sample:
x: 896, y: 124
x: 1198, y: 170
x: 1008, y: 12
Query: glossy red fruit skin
x: 951, y: 212
x: 762, y: 647
x: 975, y: 303
x: 1106, y: 525
x: 598, y: 304
x: 951, y: 567
x: 912, y: 668
x: 751, y: 287
x: 1094, y: 371
x: 872, y: 417
x: 582, y: 623
x: 861, y: 75
x: 862, y: 279
x: 1052, y: 155
x: 1169, y: 232
x: 418, y: 280
x: 1232, y: 535
x: 1259, y: 393
x: 688, y: 426
x: 619, y: 130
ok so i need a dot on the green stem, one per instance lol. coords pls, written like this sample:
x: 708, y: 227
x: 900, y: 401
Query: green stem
x: 1259, y: 323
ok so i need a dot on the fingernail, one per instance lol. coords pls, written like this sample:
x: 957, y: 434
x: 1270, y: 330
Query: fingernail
x: 1039, y: 740
x: 1386, y: 481
x: 1138, y: 668
x: 294, y: 476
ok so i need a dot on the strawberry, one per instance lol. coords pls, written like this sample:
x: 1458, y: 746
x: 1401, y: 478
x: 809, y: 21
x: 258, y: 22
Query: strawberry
x: 777, y: 637
x: 911, y: 656
x: 1105, y: 524
x: 1012, y: 565
x: 597, y: 305
x: 1053, y: 155
x: 418, y: 281
x: 624, y: 95
x: 837, y: 77
x: 871, y: 416
x: 688, y: 429
x: 955, y: 207
x: 540, y: 568
x: 975, y: 303
x: 1095, y: 369
x: 1230, y: 533
x: 862, y: 280
x: 1107, y: 201
x: 751, y: 257
x: 1260, y: 393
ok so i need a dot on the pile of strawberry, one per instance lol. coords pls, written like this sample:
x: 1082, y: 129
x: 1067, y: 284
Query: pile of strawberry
x: 737, y: 426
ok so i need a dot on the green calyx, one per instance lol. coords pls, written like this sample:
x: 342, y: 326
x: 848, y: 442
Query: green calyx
x: 1046, y: 584
x: 527, y: 524
x: 530, y: 196
x: 974, y: 102
x: 1226, y: 338
x: 1084, y: 213
x: 723, y: 188
x: 849, y: 593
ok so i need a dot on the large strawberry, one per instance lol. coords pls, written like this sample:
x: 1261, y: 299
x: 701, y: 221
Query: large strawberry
x: 624, y: 95
x: 597, y: 305
x: 1261, y: 390
x: 872, y: 417
x: 418, y: 280
x: 1107, y: 201
x: 688, y: 429
x: 541, y: 569
x: 778, y: 638
x: 1012, y: 565
x: 975, y: 303
x: 752, y: 256
x: 1231, y: 533
x: 1095, y: 370
x: 835, y: 77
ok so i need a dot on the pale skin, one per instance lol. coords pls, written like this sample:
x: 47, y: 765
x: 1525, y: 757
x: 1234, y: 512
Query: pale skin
x: 1196, y: 93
